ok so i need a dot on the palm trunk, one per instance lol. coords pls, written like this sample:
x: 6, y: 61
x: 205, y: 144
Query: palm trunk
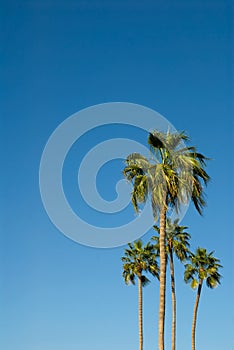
x: 195, y: 314
x: 140, y: 314
x: 173, y: 297
x: 162, y: 290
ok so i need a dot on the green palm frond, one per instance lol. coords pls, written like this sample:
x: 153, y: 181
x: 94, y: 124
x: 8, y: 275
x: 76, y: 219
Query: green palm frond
x: 194, y: 283
x: 145, y: 281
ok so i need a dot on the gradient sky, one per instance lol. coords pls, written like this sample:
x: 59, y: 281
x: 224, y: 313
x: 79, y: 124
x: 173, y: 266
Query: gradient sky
x: 57, y: 58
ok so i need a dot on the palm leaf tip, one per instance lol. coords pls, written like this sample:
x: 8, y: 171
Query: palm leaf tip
x: 145, y: 281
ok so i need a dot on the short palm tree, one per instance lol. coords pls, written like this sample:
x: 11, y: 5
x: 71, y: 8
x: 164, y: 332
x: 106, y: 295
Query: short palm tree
x: 171, y: 177
x: 177, y: 242
x: 203, y: 266
x: 138, y: 259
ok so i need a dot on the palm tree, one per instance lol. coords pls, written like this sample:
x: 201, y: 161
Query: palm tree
x: 139, y: 259
x: 171, y: 178
x: 203, y: 267
x: 177, y: 241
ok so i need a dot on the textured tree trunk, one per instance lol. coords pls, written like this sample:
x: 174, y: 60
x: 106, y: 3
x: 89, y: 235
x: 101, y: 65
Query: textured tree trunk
x: 140, y: 314
x: 173, y: 297
x: 162, y: 290
x: 195, y: 314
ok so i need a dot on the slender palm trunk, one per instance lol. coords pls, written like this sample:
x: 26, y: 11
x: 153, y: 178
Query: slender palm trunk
x: 173, y: 297
x: 140, y: 313
x: 162, y: 290
x: 195, y: 314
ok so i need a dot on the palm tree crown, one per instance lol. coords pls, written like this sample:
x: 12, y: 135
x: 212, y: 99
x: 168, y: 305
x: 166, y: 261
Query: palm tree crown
x: 203, y: 266
x: 139, y: 259
x: 176, y: 239
x: 172, y: 176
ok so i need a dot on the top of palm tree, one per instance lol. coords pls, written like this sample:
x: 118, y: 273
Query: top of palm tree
x: 173, y: 142
x: 202, y: 266
x: 172, y: 176
x: 160, y: 140
x: 138, y: 259
x: 176, y: 239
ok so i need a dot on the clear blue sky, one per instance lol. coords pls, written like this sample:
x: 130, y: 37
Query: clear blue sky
x: 58, y: 57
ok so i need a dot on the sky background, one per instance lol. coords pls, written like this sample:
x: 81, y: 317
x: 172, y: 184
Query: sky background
x: 58, y: 57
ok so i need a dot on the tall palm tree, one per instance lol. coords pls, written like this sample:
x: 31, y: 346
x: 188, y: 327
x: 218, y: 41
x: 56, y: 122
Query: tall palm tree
x: 202, y: 267
x: 177, y: 242
x: 137, y: 260
x: 172, y: 177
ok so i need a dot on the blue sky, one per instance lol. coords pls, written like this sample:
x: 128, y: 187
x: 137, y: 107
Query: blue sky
x: 57, y: 58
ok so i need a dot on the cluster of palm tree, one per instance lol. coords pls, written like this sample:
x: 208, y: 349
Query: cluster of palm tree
x: 170, y: 178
